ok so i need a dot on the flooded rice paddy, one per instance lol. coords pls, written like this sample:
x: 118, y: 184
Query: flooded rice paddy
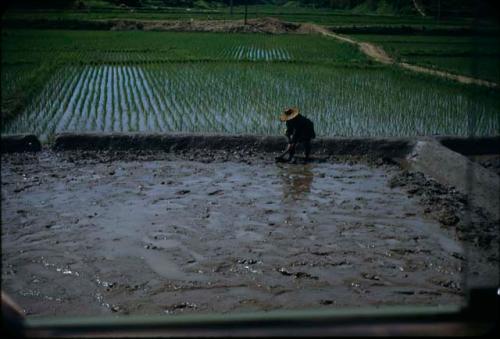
x: 242, y: 98
x: 256, y: 53
x: 180, y: 236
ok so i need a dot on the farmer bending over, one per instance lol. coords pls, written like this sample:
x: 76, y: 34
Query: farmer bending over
x: 298, y: 129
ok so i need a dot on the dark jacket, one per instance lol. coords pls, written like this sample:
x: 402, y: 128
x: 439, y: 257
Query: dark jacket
x: 299, y: 129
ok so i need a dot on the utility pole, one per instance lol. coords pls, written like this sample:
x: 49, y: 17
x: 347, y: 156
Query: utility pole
x: 246, y: 10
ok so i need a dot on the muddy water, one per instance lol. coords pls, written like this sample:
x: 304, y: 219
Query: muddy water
x: 161, y: 237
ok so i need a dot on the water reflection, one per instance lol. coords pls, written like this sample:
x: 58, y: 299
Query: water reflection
x: 297, y: 181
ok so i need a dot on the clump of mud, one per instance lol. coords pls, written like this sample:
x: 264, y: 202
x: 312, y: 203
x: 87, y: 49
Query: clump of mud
x: 450, y: 208
x: 261, y: 25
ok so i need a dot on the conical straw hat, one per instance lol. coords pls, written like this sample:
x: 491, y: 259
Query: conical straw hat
x: 289, y: 114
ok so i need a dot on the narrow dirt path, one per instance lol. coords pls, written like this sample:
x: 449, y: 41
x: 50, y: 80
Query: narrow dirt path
x: 373, y: 51
x: 460, y: 78
x: 378, y: 54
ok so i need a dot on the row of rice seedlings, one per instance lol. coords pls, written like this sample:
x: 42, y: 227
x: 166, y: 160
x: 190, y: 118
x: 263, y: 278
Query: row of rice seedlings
x: 83, y: 91
x: 246, y: 99
x: 87, y: 117
x: 190, y: 121
x: 132, y: 116
x: 95, y: 100
x: 119, y: 121
x: 136, y: 99
x: 37, y: 115
x: 59, y: 117
x: 12, y: 77
x: 142, y: 105
x: 165, y: 119
x: 255, y: 53
x: 75, y: 119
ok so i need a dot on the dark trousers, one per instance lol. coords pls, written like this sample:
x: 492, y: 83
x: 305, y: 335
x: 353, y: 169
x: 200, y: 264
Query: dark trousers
x: 307, y: 149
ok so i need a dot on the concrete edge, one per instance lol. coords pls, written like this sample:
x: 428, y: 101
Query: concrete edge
x: 20, y: 143
x: 453, y: 169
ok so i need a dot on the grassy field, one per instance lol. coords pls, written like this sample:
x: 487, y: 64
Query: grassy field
x: 476, y: 56
x: 232, y: 83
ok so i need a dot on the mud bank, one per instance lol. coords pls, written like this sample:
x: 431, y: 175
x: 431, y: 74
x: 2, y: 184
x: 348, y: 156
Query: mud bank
x: 148, y: 232
x: 20, y: 143
x: 373, y: 147
x: 268, y: 25
x: 472, y: 145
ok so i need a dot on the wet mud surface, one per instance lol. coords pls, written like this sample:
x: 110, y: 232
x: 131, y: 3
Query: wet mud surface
x: 153, y: 233
x: 490, y: 162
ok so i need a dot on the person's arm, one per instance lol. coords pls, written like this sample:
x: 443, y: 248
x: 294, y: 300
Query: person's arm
x: 287, y: 150
x: 289, y: 136
x: 293, y: 130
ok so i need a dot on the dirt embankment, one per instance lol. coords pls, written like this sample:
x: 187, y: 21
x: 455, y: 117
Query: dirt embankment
x: 262, y: 25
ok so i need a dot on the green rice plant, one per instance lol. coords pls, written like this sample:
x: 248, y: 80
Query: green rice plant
x: 79, y: 112
x: 120, y: 108
x: 108, y: 121
x: 87, y: 109
x: 149, y: 103
x: 144, y: 118
x: 55, y: 118
x: 128, y: 122
x: 163, y: 116
x: 92, y: 121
